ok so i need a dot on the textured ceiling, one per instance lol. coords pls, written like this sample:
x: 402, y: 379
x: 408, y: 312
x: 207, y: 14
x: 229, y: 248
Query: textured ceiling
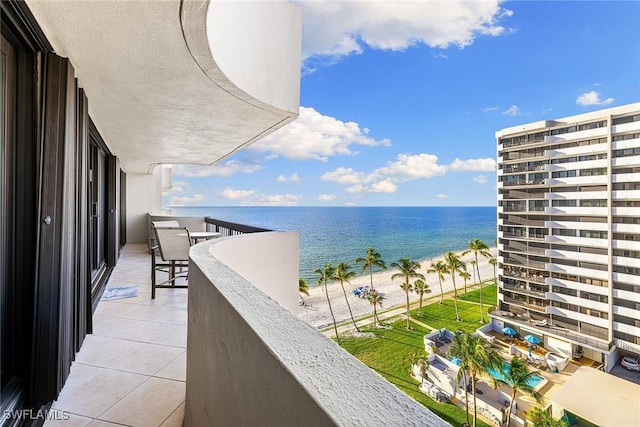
x: 156, y: 93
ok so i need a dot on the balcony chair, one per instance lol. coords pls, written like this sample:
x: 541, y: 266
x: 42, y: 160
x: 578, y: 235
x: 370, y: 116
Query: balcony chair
x: 173, y: 245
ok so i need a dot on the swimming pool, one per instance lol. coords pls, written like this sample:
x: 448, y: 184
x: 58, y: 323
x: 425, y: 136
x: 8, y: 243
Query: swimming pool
x: 534, y: 380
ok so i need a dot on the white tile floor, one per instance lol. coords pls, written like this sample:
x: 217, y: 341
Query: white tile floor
x: 131, y: 370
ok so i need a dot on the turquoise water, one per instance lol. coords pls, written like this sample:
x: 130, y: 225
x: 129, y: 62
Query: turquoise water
x: 533, y: 380
x: 334, y: 234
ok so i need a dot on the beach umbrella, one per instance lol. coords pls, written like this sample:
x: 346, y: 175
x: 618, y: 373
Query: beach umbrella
x: 509, y: 331
x: 532, y: 339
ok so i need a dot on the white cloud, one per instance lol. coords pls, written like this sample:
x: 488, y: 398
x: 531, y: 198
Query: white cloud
x: 333, y: 30
x: 384, y: 186
x: 225, y: 169
x: 314, y: 136
x: 480, y: 179
x: 412, y: 166
x: 291, y: 178
x: 514, y: 110
x: 480, y: 165
x: 406, y: 167
x: 326, y: 197
x: 592, y: 98
x: 186, y: 200
x: 276, y: 200
x: 489, y: 109
x: 442, y: 196
x: 251, y: 197
x: 343, y: 176
x: 231, y: 194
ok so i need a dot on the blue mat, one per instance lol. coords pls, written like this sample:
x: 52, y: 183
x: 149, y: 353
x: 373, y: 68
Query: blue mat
x: 119, y: 293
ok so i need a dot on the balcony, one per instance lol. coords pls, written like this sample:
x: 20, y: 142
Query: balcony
x: 243, y: 346
x: 551, y: 329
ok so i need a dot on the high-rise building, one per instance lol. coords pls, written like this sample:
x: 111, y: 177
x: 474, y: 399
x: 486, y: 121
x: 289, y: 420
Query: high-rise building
x: 569, y: 233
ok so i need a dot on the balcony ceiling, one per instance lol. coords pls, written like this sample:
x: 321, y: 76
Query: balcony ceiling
x: 157, y: 94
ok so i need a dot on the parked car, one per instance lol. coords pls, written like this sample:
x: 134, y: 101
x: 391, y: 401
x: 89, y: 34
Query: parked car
x: 631, y: 362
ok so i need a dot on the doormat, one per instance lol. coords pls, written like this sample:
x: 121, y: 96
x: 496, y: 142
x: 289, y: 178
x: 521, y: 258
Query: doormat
x: 119, y: 293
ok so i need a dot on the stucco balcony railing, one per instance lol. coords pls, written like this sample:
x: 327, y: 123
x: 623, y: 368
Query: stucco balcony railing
x: 250, y: 361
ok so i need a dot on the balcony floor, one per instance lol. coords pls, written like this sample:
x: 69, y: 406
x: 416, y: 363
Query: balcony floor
x: 131, y: 370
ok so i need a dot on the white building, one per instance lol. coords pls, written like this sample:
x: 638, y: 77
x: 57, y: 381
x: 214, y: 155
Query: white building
x: 569, y: 232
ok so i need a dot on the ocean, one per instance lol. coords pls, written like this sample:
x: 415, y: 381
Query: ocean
x: 335, y: 234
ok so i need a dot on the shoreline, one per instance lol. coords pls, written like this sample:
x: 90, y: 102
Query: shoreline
x: 316, y: 310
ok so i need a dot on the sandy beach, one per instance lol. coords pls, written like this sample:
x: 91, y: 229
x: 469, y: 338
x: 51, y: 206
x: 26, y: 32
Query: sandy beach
x: 316, y: 310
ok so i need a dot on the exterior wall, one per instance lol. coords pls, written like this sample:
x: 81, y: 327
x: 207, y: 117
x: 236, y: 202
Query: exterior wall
x: 144, y: 196
x: 270, y: 261
x: 568, y: 240
x: 248, y: 27
x: 247, y: 352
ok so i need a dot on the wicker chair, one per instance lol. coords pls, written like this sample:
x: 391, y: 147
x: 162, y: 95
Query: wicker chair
x: 173, y: 245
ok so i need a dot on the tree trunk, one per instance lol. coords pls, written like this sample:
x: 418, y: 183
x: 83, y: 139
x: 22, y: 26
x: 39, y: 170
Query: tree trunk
x: 513, y: 397
x: 455, y: 298
x: 420, y: 309
x: 466, y: 397
x: 375, y: 316
x: 475, y: 407
x: 441, y: 291
x: 335, y: 327
x: 349, y: 306
x: 481, y: 306
x: 406, y: 292
x: 371, y: 276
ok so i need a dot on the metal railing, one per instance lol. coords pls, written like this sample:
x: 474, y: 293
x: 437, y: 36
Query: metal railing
x: 227, y: 229
x: 553, y: 329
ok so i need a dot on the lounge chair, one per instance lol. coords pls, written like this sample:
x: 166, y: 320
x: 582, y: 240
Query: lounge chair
x: 173, y: 245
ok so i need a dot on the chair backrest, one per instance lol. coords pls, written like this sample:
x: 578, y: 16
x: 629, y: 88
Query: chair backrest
x: 173, y: 242
x: 165, y: 224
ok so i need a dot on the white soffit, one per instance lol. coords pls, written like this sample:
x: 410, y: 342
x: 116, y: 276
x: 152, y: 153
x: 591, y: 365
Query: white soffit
x: 157, y: 94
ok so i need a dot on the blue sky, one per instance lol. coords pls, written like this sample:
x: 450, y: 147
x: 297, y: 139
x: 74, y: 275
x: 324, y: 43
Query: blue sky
x: 400, y: 101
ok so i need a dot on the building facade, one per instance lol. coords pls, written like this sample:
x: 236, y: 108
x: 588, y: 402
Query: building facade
x: 569, y: 232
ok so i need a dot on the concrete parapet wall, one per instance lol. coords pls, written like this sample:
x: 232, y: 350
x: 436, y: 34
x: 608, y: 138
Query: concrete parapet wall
x: 252, y: 362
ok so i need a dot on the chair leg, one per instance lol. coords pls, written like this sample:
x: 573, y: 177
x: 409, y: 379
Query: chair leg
x: 172, y: 274
x: 153, y: 274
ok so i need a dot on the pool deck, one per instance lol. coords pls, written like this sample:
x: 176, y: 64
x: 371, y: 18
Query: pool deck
x: 495, y: 398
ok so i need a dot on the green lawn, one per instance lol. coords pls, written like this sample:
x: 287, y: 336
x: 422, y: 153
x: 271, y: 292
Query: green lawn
x: 489, y: 295
x: 443, y: 315
x: 388, y: 355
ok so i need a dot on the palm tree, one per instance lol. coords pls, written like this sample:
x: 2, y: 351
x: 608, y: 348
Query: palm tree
x: 494, y: 263
x: 477, y: 246
x: 516, y: 377
x: 473, y: 270
x: 423, y: 365
x: 541, y: 418
x: 421, y: 288
x: 465, y: 276
x: 454, y: 266
x: 342, y: 274
x: 440, y: 268
x: 375, y: 299
x: 459, y: 348
x: 372, y: 259
x: 408, y: 269
x: 303, y: 288
x: 325, y: 275
x: 477, y: 356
